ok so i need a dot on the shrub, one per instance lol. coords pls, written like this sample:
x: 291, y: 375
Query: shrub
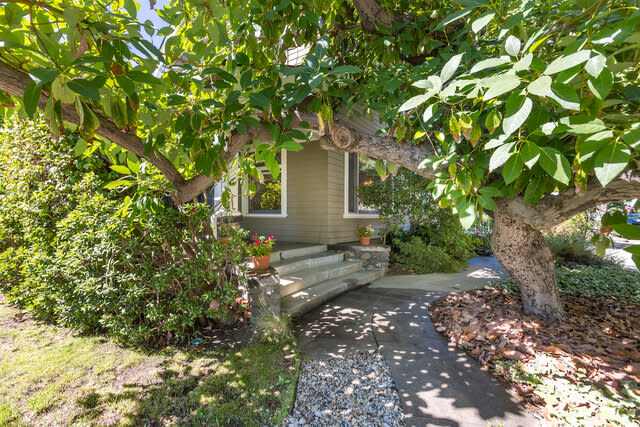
x: 433, y: 232
x: 423, y: 258
x: 584, y: 280
x: 87, y: 258
x: 572, y: 249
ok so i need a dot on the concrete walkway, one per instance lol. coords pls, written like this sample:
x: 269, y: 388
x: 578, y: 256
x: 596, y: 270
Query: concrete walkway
x: 438, y: 385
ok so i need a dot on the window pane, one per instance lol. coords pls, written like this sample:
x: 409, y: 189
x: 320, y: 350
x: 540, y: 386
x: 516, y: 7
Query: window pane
x: 361, y: 173
x: 268, y: 197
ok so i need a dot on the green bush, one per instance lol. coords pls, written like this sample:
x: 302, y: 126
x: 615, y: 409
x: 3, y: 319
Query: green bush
x: 433, y: 232
x: 585, y: 280
x: 90, y: 259
x: 572, y: 249
x: 423, y: 258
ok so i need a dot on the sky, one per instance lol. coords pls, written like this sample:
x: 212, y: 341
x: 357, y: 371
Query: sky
x: 145, y: 12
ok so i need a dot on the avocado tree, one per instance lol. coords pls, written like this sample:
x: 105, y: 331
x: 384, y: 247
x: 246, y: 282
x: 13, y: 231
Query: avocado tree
x: 526, y: 110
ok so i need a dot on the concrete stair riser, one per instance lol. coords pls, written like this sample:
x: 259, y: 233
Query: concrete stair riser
x: 305, y: 262
x: 303, y: 301
x: 302, y: 279
x: 297, y: 252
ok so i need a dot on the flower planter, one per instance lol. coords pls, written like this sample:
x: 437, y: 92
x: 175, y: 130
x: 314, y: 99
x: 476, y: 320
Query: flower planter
x: 365, y: 240
x: 261, y: 262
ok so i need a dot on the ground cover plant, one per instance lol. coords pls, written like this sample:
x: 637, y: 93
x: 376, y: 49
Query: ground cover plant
x: 581, y: 370
x: 51, y: 376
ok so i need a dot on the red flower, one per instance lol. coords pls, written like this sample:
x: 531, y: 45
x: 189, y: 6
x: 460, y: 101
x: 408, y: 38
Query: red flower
x: 270, y: 237
x: 257, y: 242
x: 255, y: 236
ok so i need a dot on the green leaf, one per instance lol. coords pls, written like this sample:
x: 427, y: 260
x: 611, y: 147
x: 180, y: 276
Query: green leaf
x: 79, y: 147
x: 467, y: 216
x: 530, y: 153
x: 533, y: 192
x: 582, y: 125
x: 272, y: 164
x: 292, y: 146
x: 493, y: 120
x: 487, y: 203
x: 540, y: 86
x: 565, y: 95
x: 142, y: 77
x: 345, y: 69
x: 632, y: 137
x: 42, y: 76
x: 555, y: 164
x: 513, y: 122
x: 121, y: 169
x: 512, y: 45
x: 429, y: 112
x: 512, y: 168
x: 500, y: 156
x: 454, y: 17
x: 118, y: 183
x: 414, y: 102
x: 84, y: 88
x: 381, y: 168
x: 601, y: 85
x: 506, y: 83
x: 449, y: 69
x: 595, y: 65
x: 615, y: 217
x: 610, y: 161
x: 628, y: 231
x: 482, y: 21
x: 488, y: 63
x: 31, y: 97
x: 565, y: 62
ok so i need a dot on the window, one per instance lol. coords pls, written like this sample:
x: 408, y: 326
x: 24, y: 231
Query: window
x: 359, y: 171
x: 270, y: 198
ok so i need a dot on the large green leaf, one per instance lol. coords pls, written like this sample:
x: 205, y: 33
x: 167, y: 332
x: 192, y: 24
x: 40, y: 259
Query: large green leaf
x: 481, y: 22
x: 569, y: 61
x: 488, y: 63
x: 601, y: 85
x: 555, y: 164
x: 565, y: 95
x: 512, y: 168
x: 628, y: 231
x: 31, y: 97
x: 499, y: 86
x: 610, y: 161
x: 540, y: 86
x: 512, y: 45
x: 449, y: 69
x: 84, y: 88
x: 512, y: 123
x: 530, y: 153
x: 414, y: 102
x: 500, y: 156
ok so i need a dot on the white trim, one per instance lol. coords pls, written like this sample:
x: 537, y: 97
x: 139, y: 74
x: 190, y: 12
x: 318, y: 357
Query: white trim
x: 283, y: 195
x: 346, y: 214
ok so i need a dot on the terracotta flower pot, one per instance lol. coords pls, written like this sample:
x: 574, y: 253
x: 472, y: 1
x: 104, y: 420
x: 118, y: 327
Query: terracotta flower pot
x: 261, y: 262
x: 225, y: 240
x: 365, y: 240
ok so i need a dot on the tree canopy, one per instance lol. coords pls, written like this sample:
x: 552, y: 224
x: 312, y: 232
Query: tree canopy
x: 524, y: 107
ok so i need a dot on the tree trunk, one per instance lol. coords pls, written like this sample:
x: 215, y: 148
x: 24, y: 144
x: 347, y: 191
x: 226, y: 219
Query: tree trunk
x: 525, y: 254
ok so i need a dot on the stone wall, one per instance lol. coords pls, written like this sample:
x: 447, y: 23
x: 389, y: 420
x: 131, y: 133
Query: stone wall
x: 264, y: 291
x: 373, y: 257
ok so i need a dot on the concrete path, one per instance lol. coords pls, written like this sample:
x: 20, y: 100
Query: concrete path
x: 438, y: 385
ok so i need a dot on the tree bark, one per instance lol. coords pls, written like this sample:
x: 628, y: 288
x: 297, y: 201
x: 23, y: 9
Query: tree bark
x: 525, y: 254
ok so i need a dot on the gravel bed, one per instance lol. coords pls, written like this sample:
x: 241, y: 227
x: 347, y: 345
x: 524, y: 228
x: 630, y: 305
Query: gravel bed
x: 355, y: 391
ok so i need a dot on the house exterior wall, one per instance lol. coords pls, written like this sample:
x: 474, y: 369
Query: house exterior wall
x: 315, y: 201
x: 306, y: 220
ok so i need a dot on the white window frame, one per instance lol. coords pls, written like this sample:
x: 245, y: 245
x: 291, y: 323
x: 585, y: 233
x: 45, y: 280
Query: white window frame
x: 283, y: 195
x: 346, y: 214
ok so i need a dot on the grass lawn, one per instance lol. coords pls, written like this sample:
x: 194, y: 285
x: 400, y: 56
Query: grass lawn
x: 52, y: 376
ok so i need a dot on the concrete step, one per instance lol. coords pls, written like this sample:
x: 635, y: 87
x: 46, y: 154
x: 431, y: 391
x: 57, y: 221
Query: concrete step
x: 287, y: 266
x: 307, y: 299
x: 302, y: 279
x: 281, y: 254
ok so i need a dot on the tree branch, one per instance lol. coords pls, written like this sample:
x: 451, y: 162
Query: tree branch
x: 552, y: 210
x: 372, y: 14
x: 346, y: 138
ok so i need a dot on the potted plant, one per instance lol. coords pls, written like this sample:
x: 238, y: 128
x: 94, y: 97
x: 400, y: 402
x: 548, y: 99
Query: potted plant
x: 260, y: 251
x: 364, y: 232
